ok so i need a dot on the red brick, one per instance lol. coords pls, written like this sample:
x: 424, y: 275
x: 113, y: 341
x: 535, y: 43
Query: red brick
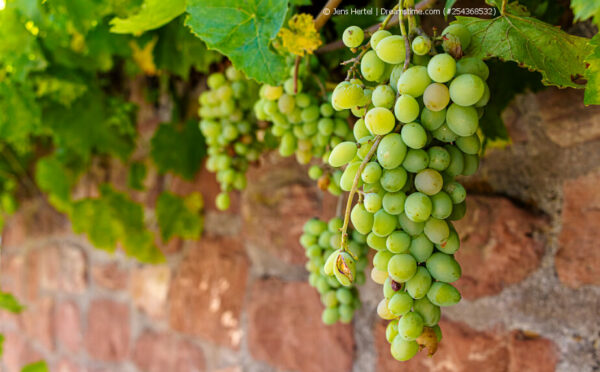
x: 108, y: 330
x: 567, y: 121
x: 467, y: 350
x: 279, y: 199
x: 285, y: 329
x: 34, y: 219
x: 37, y: 320
x: 207, y: 291
x: 149, y: 287
x: 159, y: 352
x: 110, y: 276
x: 67, y: 323
x: 578, y: 260
x: 66, y: 365
x: 499, y: 245
x: 18, y: 352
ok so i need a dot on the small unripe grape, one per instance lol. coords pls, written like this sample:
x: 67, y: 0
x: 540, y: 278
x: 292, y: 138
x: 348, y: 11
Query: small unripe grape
x: 421, y: 45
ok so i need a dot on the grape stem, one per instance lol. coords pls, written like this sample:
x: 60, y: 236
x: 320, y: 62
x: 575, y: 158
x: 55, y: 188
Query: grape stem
x: 503, y: 7
x: 296, y: 68
x: 353, y: 191
x: 404, y: 34
x: 326, y: 13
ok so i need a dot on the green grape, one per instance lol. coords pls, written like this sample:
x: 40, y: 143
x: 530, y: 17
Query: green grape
x: 346, y: 95
x: 456, y: 191
x: 436, y: 97
x: 330, y: 262
x: 421, y: 248
x: 414, y: 135
x: 393, y: 180
x: 395, y: 74
x: 378, y: 36
x: 311, y: 113
x: 378, y: 243
x: 303, y: 100
x: 439, y: 158
x: 441, y: 205
x: 335, y: 224
x: 383, y: 311
x: 457, y: 161
x: 326, y: 109
x: 371, y: 67
x: 364, y: 146
x: 443, y: 267
x: 288, y: 86
x: 325, y: 126
x: 398, y: 242
x: 379, y: 121
x: 472, y: 65
x: 391, y: 151
x: 461, y: 32
x: 466, y: 89
x: 441, y: 68
x: 418, y: 207
x: 393, y: 202
x: 471, y: 164
x: 400, y: 303
x: 450, y: 245
x: 462, y: 120
x: 429, y: 181
x: 361, y: 219
x: 430, y: 313
x: 413, y: 81
x: 347, y: 179
x: 485, y: 98
x: 342, y: 154
x: 391, y: 49
x: 372, y: 202
x: 391, y: 330
x: 402, y: 267
x: 307, y: 240
x: 443, y: 294
x: 410, y: 326
x: 432, y: 120
x: 286, y: 103
x: 469, y: 145
x: 346, y: 314
x: 287, y: 145
x: 383, y: 223
x: 411, y: 227
x: 406, y: 109
x: 330, y: 316
x: 418, y: 286
x: 388, y: 291
x: 438, y: 332
x: 421, y: 45
x: 314, y: 226
x: 223, y: 201
x: 344, y: 296
x: 360, y: 129
x: 215, y: 80
x: 444, y: 134
x: 329, y: 299
x: 383, y: 96
x: 381, y: 259
x: 353, y: 36
x: 403, y: 350
x: 372, y: 172
x: 436, y: 230
x: 415, y: 160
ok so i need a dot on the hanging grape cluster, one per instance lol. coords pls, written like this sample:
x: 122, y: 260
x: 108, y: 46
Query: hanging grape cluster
x: 338, y: 295
x: 417, y: 132
x: 231, y: 131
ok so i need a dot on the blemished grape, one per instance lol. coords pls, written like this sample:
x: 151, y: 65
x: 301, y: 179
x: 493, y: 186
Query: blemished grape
x: 391, y: 49
x: 461, y: 32
x: 353, y: 36
x: 421, y: 45
x: 436, y: 97
x: 441, y: 68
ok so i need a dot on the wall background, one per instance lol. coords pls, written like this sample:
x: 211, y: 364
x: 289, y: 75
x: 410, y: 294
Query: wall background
x: 238, y: 300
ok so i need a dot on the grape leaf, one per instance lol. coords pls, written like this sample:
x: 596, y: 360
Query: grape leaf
x: 55, y: 179
x: 137, y: 174
x: 533, y: 44
x: 62, y: 89
x: 18, y: 105
x: 178, y: 50
x: 585, y: 9
x: 1, y: 344
x: 242, y: 31
x: 592, y: 74
x: 8, y: 302
x: 179, y: 217
x: 153, y: 14
x: 178, y: 150
x: 36, y: 367
x: 301, y: 37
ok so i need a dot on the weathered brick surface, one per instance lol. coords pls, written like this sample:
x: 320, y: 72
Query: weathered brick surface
x: 159, y: 352
x: 37, y: 320
x: 108, y: 330
x: 578, y: 260
x: 149, y: 288
x: 286, y: 331
x: 17, y: 352
x: 67, y: 324
x: 110, y: 276
x: 207, y: 291
x: 499, y: 246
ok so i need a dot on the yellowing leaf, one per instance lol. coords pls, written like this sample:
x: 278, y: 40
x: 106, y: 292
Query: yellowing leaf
x: 143, y: 57
x: 301, y: 37
x: 592, y: 74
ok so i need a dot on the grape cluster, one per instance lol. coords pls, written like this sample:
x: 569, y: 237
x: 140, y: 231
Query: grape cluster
x: 423, y: 123
x: 322, y: 241
x: 231, y: 131
x: 306, y: 126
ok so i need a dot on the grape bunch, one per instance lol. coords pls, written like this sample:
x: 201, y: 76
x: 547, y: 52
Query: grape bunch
x: 322, y: 241
x: 419, y: 125
x: 230, y: 130
x: 306, y: 126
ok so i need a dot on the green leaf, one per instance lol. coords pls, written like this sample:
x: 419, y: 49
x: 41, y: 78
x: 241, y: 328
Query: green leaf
x: 18, y: 105
x: 1, y: 344
x: 178, y: 150
x: 153, y: 14
x: 592, y: 74
x: 113, y: 217
x: 55, y: 179
x: 533, y: 44
x: 179, y: 217
x: 137, y: 174
x: 178, y: 50
x: 36, y: 367
x: 9, y: 303
x: 448, y: 7
x: 585, y: 9
x: 242, y: 30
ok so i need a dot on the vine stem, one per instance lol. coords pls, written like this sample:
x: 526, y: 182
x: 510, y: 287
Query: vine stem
x: 296, y: 68
x: 326, y: 13
x: 404, y: 34
x: 503, y: 7
x: 353, y: 190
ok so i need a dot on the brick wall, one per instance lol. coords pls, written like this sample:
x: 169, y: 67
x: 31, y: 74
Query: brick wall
x: 238, y: 300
